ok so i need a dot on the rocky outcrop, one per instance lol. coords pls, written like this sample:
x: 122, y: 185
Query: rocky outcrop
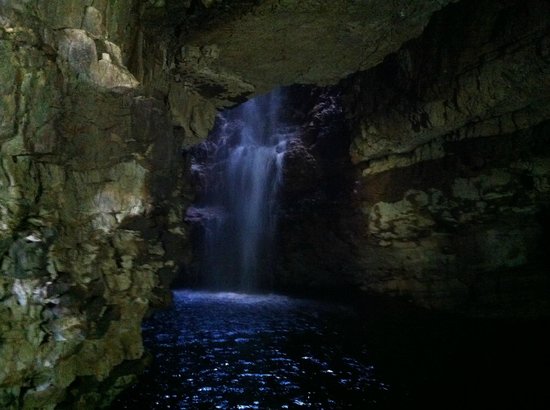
x: 91, y: 184
x: 97, y: 98
x: 478, y: 70
x: 284, y: 42
x: 449, y: 137
x: 466, y: 231
x: 316, y: 249
x: 220, y: 53
x: 450, y: 205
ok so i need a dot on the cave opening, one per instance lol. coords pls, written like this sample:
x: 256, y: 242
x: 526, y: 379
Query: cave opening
x: 265, y: 165
x: 230, y: 342
x: 270, y: 168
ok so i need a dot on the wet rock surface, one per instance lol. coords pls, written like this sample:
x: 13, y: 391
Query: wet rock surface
x: 285, y: 42
x: 89, y: 204
x: 472, y: 238
x: 447, y: 202
x: 450, y: 143
x: 477, y: 70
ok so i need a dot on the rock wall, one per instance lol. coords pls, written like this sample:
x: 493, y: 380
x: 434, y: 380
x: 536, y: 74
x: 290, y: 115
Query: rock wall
x: 449, y: 140
x: 225, y: 51
x: 317, y: 239
x: 450, y: 137
x: 466, y: 231
x: 91, y: 203
x: 97, y: 100
x: 282, y: 42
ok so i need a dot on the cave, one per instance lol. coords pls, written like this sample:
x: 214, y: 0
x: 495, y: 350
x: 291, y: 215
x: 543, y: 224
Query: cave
x: 389, y: 169
x: 270, y: 168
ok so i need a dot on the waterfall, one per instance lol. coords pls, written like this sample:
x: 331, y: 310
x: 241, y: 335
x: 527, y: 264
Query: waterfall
x: 241, y: 173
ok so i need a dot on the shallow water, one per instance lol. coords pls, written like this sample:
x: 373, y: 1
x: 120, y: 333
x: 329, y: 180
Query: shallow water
x: 228, y: 350
x: 234, y: 351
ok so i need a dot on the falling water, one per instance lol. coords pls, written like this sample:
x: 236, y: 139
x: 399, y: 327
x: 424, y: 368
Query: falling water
x: 238, y: 206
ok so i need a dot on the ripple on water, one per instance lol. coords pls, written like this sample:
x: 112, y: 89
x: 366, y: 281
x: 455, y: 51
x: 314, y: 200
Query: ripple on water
x: 231, y: 350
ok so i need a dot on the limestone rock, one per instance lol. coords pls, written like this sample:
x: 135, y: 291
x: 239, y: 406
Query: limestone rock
x: 310, y: 41
x: 489, y: 84
x: 93, y: 21
x: 88, y: 177
x: 436, y: 202
x: 80, y: 52
x: 449, y: 209
x: 192, y: 112
x: 449, y: 141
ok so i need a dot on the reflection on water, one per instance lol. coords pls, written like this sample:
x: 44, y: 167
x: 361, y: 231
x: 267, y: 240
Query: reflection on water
x: 229, y: 350
x: 234, y: 351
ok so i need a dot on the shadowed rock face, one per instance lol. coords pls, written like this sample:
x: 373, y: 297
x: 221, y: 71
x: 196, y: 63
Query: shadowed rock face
x: 220, y: 53
x: 466, y: 231
x: 449, y: 134
x: 448, y: 138
x: 477, y: 70
x: 285, y: 42
x: 98, y: 98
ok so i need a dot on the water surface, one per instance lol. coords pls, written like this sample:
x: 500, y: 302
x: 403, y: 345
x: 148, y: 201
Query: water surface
x: 229, y: 350
x: 235, y: 351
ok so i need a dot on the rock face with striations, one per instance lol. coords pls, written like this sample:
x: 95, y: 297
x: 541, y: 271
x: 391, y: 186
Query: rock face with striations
x: 91, y: 185
x: 97, y: 99
x: 449, y: 139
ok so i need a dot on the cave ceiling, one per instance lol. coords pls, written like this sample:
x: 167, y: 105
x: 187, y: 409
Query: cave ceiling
x: 249, y: 47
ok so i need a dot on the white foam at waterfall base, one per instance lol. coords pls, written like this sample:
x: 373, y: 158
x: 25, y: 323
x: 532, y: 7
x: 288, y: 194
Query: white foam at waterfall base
x: 231, y: 297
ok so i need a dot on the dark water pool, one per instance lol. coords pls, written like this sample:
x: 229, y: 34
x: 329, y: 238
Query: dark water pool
x: 232, y: 351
